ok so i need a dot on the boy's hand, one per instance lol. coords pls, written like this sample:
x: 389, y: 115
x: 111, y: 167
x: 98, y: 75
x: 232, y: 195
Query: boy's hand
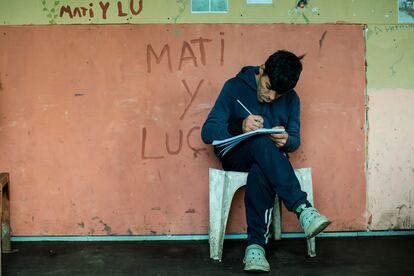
x: 280, y: 139
x: 252, y: 122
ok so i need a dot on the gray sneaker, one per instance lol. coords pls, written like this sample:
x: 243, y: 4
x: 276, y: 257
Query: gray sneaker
x: 255, y: 259
x: 313, y: 222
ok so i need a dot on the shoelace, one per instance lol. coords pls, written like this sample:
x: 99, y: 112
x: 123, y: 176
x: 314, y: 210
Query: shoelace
x: 310, y: 215
x: 256, y: 252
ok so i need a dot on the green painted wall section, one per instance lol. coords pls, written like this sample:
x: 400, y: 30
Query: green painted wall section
x: 390, y: 56
x: 20, y: 12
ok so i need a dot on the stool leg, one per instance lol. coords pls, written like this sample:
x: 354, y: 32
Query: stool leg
x: 305, y: 179
x: 1, y: 216
x: 311, y: 247
x: 216, y: 227
x: 5, y: 220
x: 277, y: 221
x: 223, y: 186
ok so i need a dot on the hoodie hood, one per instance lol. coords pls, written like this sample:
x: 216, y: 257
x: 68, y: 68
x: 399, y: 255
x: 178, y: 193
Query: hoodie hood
x: 248, y: 76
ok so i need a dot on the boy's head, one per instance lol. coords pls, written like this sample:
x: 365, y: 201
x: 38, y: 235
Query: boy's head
x: 280, y: 74
x: 283, y: 69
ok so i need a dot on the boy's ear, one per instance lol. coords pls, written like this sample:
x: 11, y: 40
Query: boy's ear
x: 261, y: 69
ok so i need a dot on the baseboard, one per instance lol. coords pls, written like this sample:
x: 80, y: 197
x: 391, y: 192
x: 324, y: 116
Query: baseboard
x: 205, y: 237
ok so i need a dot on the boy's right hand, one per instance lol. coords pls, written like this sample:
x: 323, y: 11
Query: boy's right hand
x: 252, y: 122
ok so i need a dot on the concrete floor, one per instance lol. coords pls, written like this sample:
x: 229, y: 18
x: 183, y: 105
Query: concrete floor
x: 336, y: 256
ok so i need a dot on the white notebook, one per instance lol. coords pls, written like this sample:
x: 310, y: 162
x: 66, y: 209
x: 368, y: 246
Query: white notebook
x: 229, y: 143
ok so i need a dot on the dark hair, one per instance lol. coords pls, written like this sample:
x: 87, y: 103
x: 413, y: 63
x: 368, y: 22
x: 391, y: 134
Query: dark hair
x: 283, y: 69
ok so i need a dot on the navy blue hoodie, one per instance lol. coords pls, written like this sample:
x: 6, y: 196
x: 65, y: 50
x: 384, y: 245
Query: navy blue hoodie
x: 226, y: 117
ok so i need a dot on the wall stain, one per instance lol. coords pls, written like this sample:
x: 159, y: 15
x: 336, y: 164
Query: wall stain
x: 81, y: 224
x: 392, y: 67
x: 369, y: 220
x: 130, y: 232
x: 159, y: 175
x: 107, y: 228
x: 156, y: 208
x: 322, y: 39
x: 401, y: 207
x: 399, y: 219
x: 190, y: 211
x: 177, y: 31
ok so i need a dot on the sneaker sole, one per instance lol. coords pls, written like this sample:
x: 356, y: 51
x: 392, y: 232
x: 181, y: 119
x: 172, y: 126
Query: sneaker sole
x: 255, y: 268
x: 319, y: 227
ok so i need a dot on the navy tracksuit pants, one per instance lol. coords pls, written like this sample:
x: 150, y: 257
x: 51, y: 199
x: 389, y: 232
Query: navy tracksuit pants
x: 270, y: 172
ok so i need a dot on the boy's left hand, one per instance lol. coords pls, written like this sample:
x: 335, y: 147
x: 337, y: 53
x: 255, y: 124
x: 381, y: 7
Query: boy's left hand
x: 280, y: 139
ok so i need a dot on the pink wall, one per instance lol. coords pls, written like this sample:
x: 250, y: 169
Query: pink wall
x: 390, y: 173
x: 100, y: 139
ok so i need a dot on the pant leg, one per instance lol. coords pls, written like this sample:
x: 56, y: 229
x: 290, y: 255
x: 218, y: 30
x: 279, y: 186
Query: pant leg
x: 259, y: 195
x: 270, y: 172
x: 276, y: 168
x: 259, y: 200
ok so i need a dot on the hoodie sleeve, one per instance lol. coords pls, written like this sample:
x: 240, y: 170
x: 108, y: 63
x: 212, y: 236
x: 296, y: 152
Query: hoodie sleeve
x: 293, y: 126
x: 216, y: 125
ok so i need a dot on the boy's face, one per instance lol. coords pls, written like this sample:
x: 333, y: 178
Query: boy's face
x: 264, y: 92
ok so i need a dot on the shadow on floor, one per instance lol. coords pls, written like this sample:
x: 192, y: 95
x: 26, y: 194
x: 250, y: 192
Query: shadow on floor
x: 335, y: 256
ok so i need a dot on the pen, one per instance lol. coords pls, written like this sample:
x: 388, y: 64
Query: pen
x: 248, y: 111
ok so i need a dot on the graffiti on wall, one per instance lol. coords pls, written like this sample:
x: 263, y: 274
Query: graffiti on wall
x: 301, y: 10
x: 64, y: 9
x: 161, y: 57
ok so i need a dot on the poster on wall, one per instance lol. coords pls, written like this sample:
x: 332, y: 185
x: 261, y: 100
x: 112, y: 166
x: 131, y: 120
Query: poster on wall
x: 405, y: 11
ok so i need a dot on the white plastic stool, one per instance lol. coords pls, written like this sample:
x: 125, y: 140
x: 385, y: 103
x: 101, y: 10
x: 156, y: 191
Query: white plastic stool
x: 223, y: 186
